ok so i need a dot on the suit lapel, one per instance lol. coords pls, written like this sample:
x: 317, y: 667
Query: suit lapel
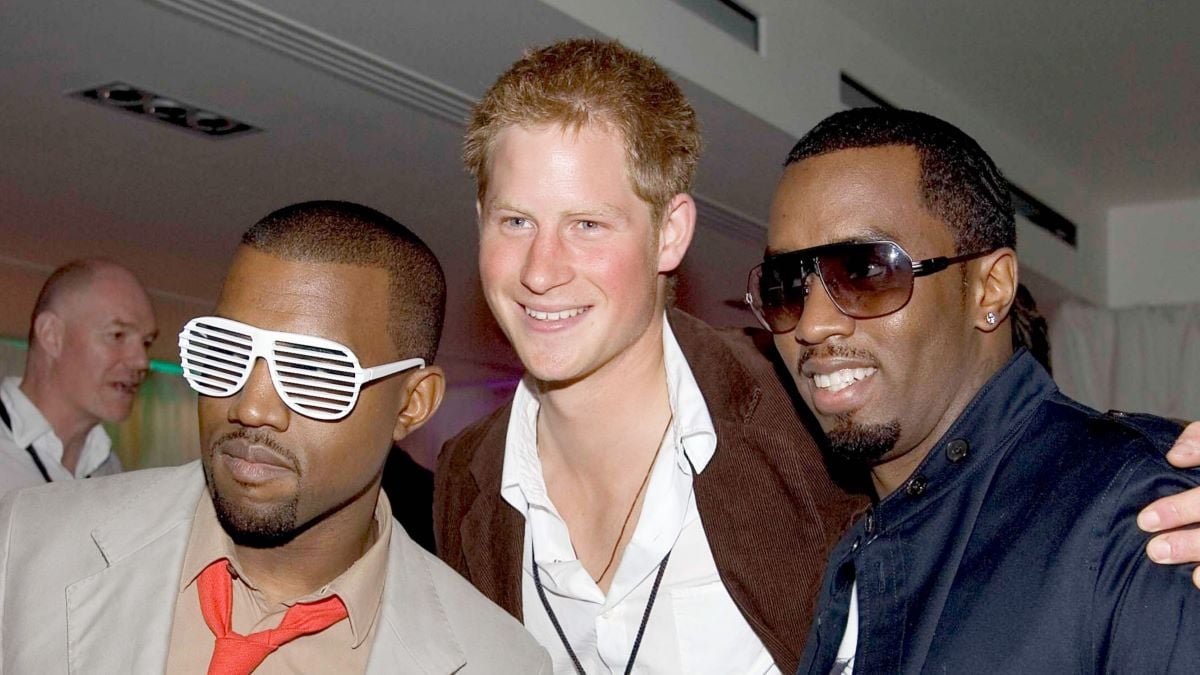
x: 493, y: 532
x: 414, y: 634
x: 119, y: 619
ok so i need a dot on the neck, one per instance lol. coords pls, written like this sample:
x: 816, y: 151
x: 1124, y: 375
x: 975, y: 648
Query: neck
x: 317, y: 555
x: 596, y: 428
x: 69, y: 423
x: 890, y: 474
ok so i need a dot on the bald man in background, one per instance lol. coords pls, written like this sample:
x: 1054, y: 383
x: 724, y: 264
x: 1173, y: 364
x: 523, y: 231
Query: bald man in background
x: 88, y: 336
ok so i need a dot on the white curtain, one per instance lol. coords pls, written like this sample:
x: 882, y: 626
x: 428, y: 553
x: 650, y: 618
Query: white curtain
x: 161, y: 430
x: 1143, y: 359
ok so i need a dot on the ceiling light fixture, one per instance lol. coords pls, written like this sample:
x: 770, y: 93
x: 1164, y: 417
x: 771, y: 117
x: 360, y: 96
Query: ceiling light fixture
x: 121, y: 96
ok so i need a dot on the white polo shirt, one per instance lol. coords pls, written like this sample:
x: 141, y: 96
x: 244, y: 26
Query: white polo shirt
x: 694, y: 626
x: 30, y: 427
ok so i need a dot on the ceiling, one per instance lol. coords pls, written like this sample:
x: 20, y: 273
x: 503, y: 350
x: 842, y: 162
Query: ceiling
x: 342, y: 97
x: 1107, y: 88
x: 82, y: 179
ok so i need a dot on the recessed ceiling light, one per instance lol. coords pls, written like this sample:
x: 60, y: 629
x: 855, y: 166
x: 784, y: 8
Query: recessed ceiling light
x: 121, y: 96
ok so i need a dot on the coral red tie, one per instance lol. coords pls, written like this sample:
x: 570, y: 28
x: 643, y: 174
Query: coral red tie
x: 235, y: 654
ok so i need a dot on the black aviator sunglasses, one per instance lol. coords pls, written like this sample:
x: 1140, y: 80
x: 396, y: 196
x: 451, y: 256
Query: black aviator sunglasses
x: 864, y: 279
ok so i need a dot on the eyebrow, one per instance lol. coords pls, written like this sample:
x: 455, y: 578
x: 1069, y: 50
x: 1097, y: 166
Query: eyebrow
x: 603, y: 210
x: 126, y: 325
x: 865, y: 235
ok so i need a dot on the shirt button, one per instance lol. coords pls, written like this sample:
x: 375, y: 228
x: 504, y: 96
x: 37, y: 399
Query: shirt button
x: 854, y: 546
x: 916, y: 486
x: 956, y: 451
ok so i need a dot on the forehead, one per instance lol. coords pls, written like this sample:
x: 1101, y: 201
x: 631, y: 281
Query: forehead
x: 856, y: 194
x: 341, y: 302
x: 110, y: 296
x: 559, y: 164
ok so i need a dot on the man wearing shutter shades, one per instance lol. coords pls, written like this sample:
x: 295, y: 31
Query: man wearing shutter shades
x: 1004, y: 537
x: 277, y: 551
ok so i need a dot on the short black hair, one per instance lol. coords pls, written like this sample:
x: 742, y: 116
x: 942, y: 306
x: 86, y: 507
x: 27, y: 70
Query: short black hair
x: 960, y: 183
x: 347, y: 233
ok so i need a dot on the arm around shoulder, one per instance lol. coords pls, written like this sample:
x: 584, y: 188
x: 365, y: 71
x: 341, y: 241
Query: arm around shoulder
x: 1150, y: 612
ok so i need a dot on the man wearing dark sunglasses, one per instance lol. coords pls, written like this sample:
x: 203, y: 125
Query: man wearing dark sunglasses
x: 1004, y: 535
x: 638, y: 430
x: 277, y: 551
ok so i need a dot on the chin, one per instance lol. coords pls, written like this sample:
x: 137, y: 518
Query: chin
x: 859, y: 442
x: 259, y: 526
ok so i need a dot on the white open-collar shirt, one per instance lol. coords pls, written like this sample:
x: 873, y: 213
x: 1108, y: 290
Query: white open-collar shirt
x: 694, y: 626
x: 30, y: 427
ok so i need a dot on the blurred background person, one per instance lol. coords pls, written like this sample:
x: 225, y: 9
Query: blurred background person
x: 88, y: 336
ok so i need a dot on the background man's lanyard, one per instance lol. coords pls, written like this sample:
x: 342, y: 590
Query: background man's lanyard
x: 36, y: 460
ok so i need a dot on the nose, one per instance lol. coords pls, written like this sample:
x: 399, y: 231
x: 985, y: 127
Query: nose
x: 138, y: 360
x: 821, y: 318
x: 258, y: 404
x: 545, y: 263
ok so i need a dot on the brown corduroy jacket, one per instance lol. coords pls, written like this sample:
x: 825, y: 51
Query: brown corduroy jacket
x: 769, y: 509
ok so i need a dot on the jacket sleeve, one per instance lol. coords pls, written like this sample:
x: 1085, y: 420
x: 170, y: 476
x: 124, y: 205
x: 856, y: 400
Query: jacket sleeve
x: 1148, y: 615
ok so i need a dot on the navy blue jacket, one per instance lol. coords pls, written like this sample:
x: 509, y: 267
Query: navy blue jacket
x: 1014, y: 548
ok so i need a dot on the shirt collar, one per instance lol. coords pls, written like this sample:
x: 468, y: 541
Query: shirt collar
x: 30, y: 427
x: 521, y: 482
x: 992, y: 421
x: 360, y: 587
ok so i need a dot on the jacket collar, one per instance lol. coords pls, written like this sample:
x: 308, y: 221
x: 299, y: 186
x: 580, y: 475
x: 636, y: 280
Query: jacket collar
x: 991, y: 422
x: 143, y: 546
x: 144, y: 557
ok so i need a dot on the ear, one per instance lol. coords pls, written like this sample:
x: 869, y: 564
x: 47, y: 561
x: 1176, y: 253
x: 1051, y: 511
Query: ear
x: 48, y: 329
x: 675, y: 235
x: 423, y: 392
x: 997, y: 288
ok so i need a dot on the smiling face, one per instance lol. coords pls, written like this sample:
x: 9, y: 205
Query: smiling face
x: 884, y: 386
x: 271, y: 471
x: 106, y: 329
x: 569, y: 258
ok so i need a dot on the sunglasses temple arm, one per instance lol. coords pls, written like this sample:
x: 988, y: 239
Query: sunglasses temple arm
x: 931, y: 265
x: 372, y: 374
x: 928, y: 266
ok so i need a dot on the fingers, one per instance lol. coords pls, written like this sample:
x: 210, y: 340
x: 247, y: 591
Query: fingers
x: 1170, y: 512
x: 1186, y: 452
x: 1179, y: 547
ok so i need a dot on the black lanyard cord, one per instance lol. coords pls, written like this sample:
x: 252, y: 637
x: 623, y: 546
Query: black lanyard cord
x: 36, y: 460
x: 637, y: 642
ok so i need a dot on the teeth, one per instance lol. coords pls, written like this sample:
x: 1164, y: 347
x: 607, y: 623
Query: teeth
x: 555, y: 316
x: 840, y: 379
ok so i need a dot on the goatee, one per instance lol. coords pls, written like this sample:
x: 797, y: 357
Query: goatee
x: 862, y: 444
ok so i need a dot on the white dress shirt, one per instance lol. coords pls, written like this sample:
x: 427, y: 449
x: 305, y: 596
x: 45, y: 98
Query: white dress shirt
x: 30, y: 427
x: 843, y: 663
x: 694, y: 626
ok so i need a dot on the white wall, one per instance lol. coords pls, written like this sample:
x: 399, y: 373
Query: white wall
x: 794, y: 83
x: 1154, y: 253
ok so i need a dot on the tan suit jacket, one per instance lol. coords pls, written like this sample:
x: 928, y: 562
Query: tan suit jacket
x: 90, y: 571
x: 769, y: 508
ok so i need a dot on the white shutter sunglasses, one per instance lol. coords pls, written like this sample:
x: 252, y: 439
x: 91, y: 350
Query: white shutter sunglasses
x: 316, y: 377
